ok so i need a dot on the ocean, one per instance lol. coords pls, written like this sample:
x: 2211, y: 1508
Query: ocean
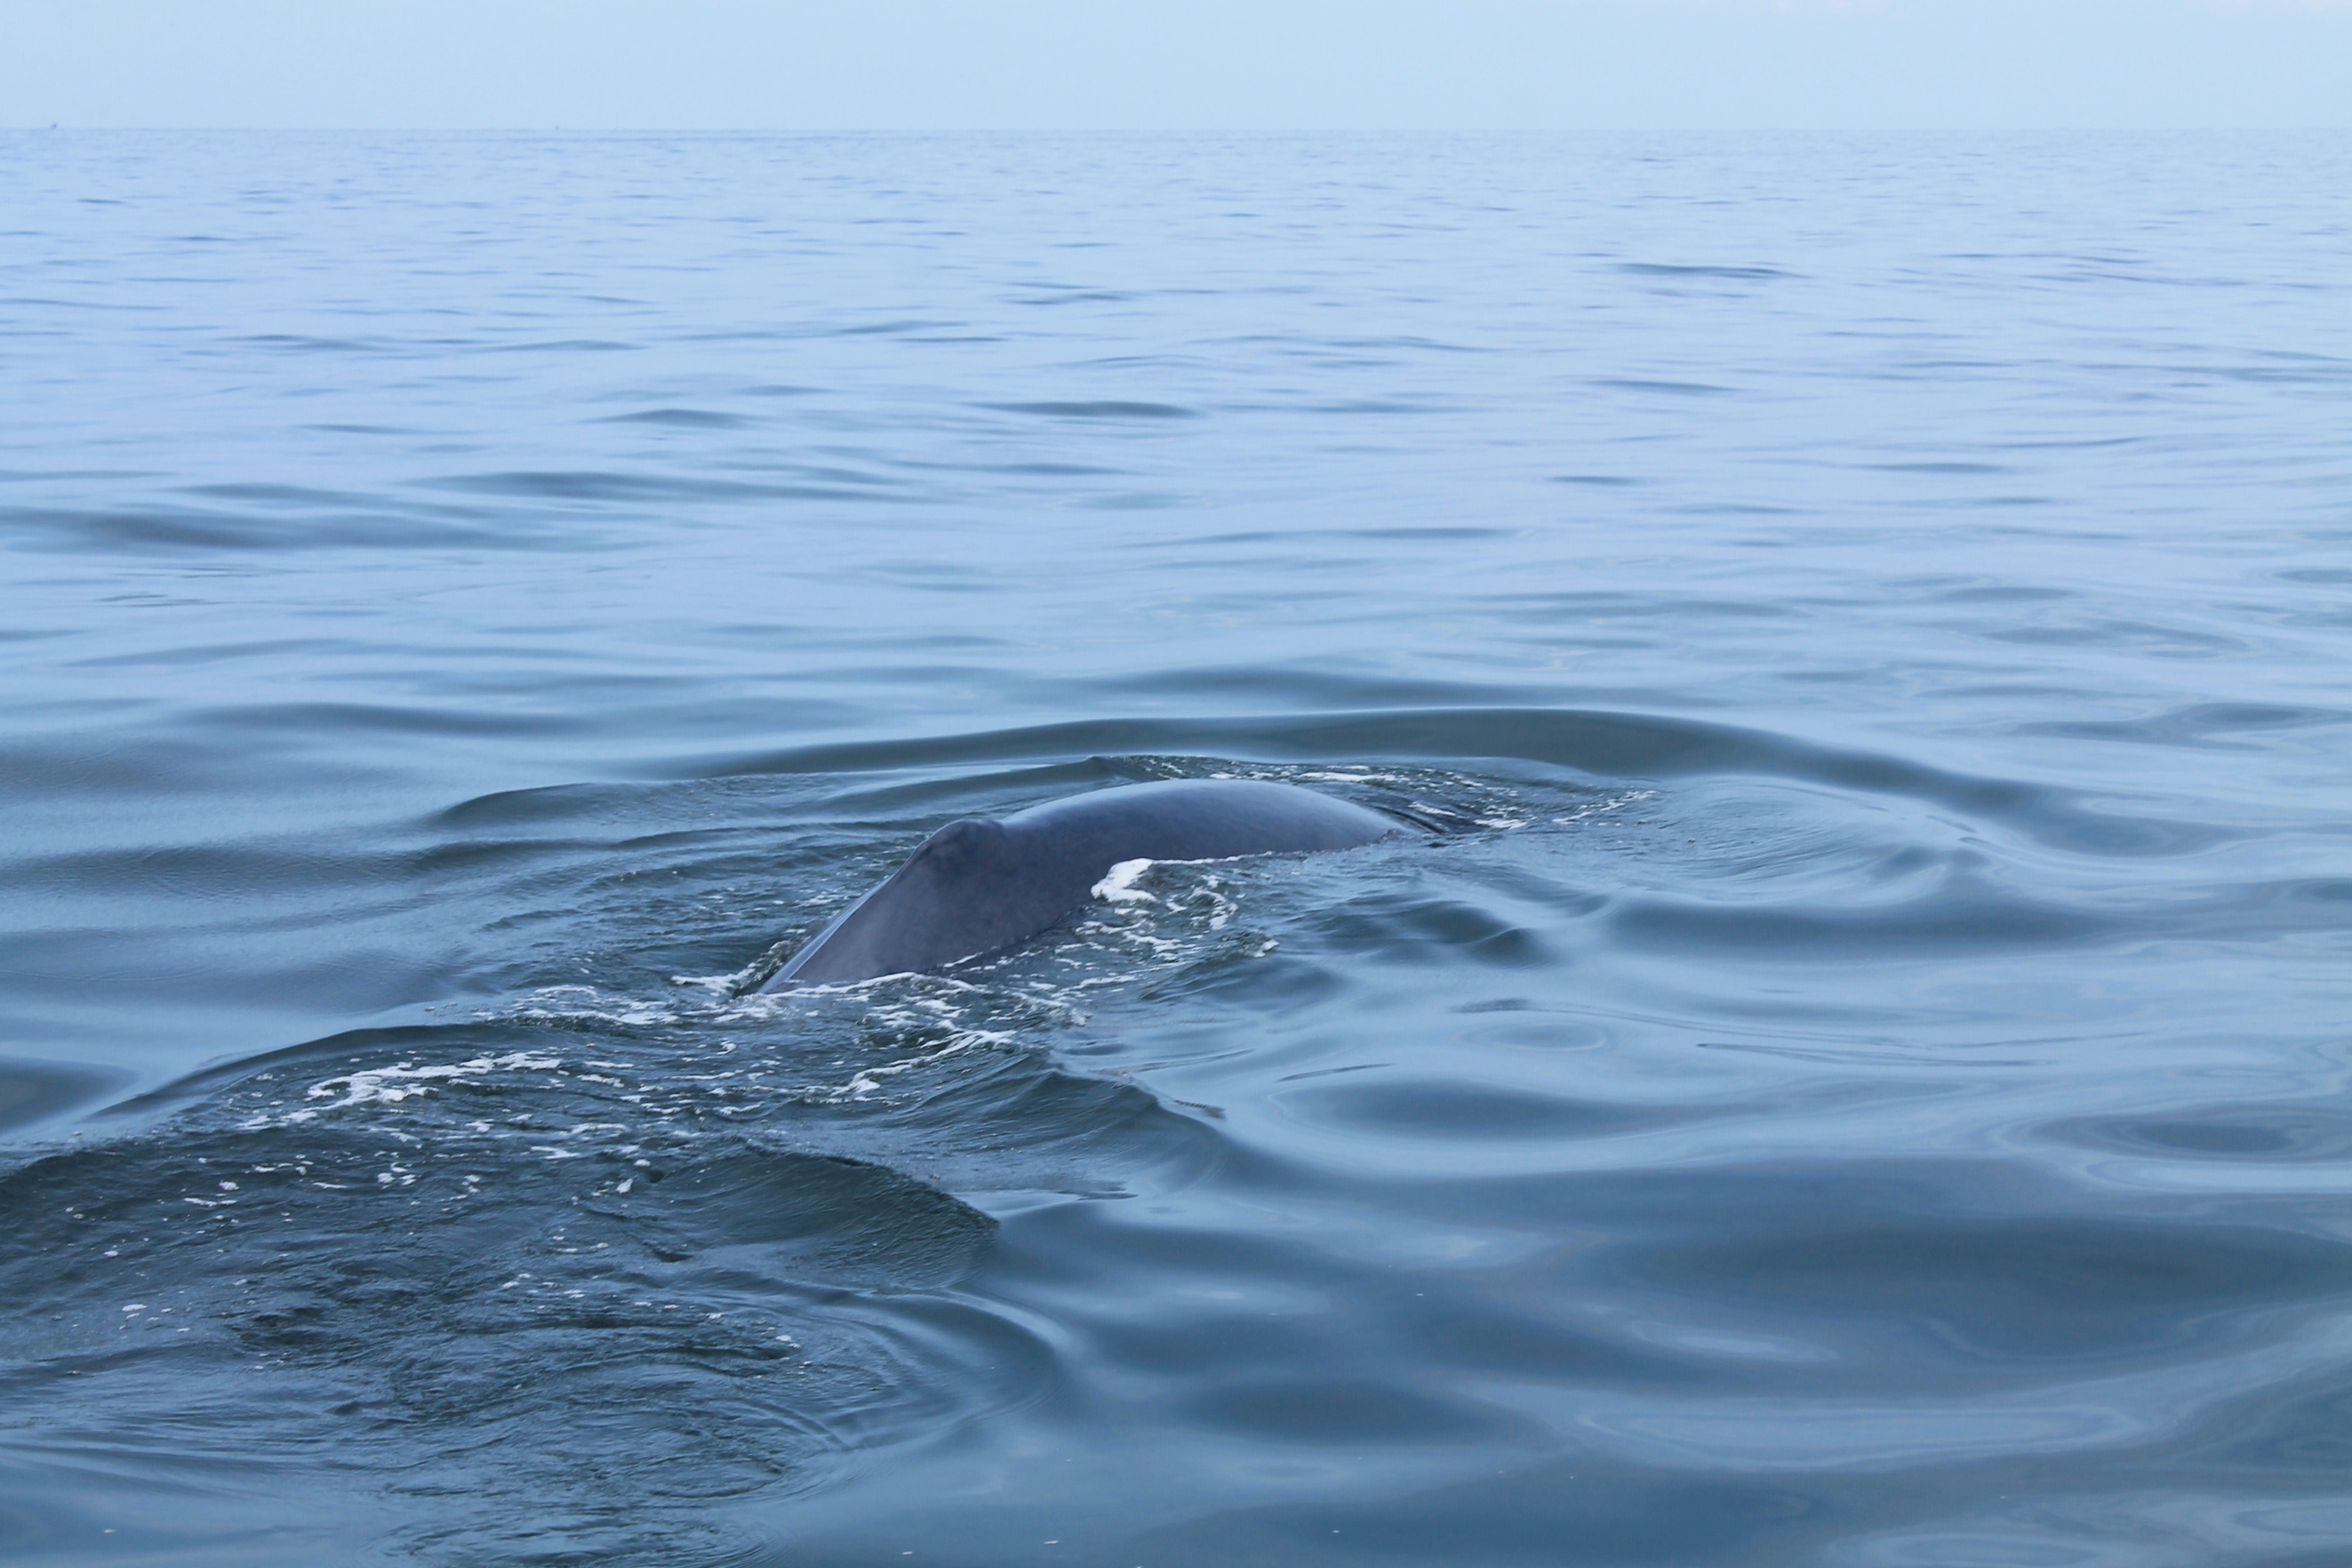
x: 1860, y: 1076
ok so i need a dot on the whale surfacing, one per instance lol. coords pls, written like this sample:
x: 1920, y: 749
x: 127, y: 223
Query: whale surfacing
x: 982, y: 883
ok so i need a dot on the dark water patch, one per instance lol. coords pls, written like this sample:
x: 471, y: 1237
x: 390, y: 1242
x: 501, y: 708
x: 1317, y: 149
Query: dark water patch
x: 2320, y: 889
x: 1243, y: 536
x: 1431, y: 534
x: 511, y: 808
x: 2332, y: 374
x: 1412, y: 340
x: 681, y: 419
x: 31, y: 476
x: 2003, y: 593
x: 890, y: 329
x: 1950, y: 920
x: 1450, y: 1109
x: 2004, y: 501
x: 563, y: 345
x: 607, y: 1261
x: 34, y: 1092
x: 742, y: 335
x: 1588, y: 606
x: 816, y: 1219
x: 1672, y: 388
x: 1036, y: 469
x: 1408, y: 929
x: 2067, y: 444
x: 2203, y: 723
x: 45, y: 302
x: 826, y: 472
x: 2023, y: 1287
x: 297, y: 342
x: 185, y: 872
x: 621, y: 1359
x: 1373, y: 406
x: 221, y: 653
x: 277, y: 495
x: 1305, y: 689
x: 607, y: 486
x: 1098, y: 409
x: 310, y: 718
x: 1134, y: 500
x: 95, y: 771
x: 2121, y: 634
x: 1297, y: 1410
x: 2277, y: 1438
x: 2257, y: 1134
x: 1077, y: 296
x: 1733, y: 274
x: 188, y: 529
x: 1511, y: 1520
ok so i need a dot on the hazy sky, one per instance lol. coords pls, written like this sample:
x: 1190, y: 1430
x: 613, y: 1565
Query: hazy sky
x: 1176, y: 63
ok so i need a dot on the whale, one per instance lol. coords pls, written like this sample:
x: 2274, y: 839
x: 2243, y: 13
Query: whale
x: 981, y: 884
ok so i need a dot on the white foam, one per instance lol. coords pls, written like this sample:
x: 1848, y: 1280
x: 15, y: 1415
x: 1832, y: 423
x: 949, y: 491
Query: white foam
x: 1634, y: 798
x: 544, y: 1006
x: 724, y: 985
x: 871, y: 1079
x: 390, y: 1086
x: 1117, y: 885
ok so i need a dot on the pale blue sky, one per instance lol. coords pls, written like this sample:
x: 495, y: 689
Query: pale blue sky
x: 1243, y: 64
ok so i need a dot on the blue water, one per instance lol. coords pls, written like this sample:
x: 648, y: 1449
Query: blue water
x: 1865, y: 1078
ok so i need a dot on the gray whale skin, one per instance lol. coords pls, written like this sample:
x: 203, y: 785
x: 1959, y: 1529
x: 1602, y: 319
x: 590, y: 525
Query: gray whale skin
x: 981, y: 883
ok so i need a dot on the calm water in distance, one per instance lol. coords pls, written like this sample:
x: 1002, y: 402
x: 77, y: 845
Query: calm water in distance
x: 1861, y: 1079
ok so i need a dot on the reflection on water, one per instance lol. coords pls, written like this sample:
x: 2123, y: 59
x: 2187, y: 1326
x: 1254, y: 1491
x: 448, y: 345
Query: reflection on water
x: 1858, y: 1079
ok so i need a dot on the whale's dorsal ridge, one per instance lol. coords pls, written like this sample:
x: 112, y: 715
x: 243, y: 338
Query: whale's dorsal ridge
x: 981, y: 883
x: 967, y: 845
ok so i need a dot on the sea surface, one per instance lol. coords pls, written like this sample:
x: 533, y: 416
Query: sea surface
x: 1860, y: 1074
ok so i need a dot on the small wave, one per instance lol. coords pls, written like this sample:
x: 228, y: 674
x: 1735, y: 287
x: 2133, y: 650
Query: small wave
x: 681, y: 419
x: 605, y: 486
x: 390, y: 1086
x: 1640, y: 749
x: 1670, y: 269
x: 161, y: 527
x: 1098, y: 409
x: 1673, y: 388
x: 563, y: 345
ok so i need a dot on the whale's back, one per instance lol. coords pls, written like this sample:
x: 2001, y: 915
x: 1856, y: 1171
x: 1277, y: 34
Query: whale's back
x: 979, y: 884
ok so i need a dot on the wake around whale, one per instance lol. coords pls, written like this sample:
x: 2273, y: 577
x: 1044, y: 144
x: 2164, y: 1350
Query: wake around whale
x: 984, y: 883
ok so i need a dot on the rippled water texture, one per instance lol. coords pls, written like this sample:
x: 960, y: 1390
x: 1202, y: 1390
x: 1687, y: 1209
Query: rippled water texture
x: 1860, y: 1080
